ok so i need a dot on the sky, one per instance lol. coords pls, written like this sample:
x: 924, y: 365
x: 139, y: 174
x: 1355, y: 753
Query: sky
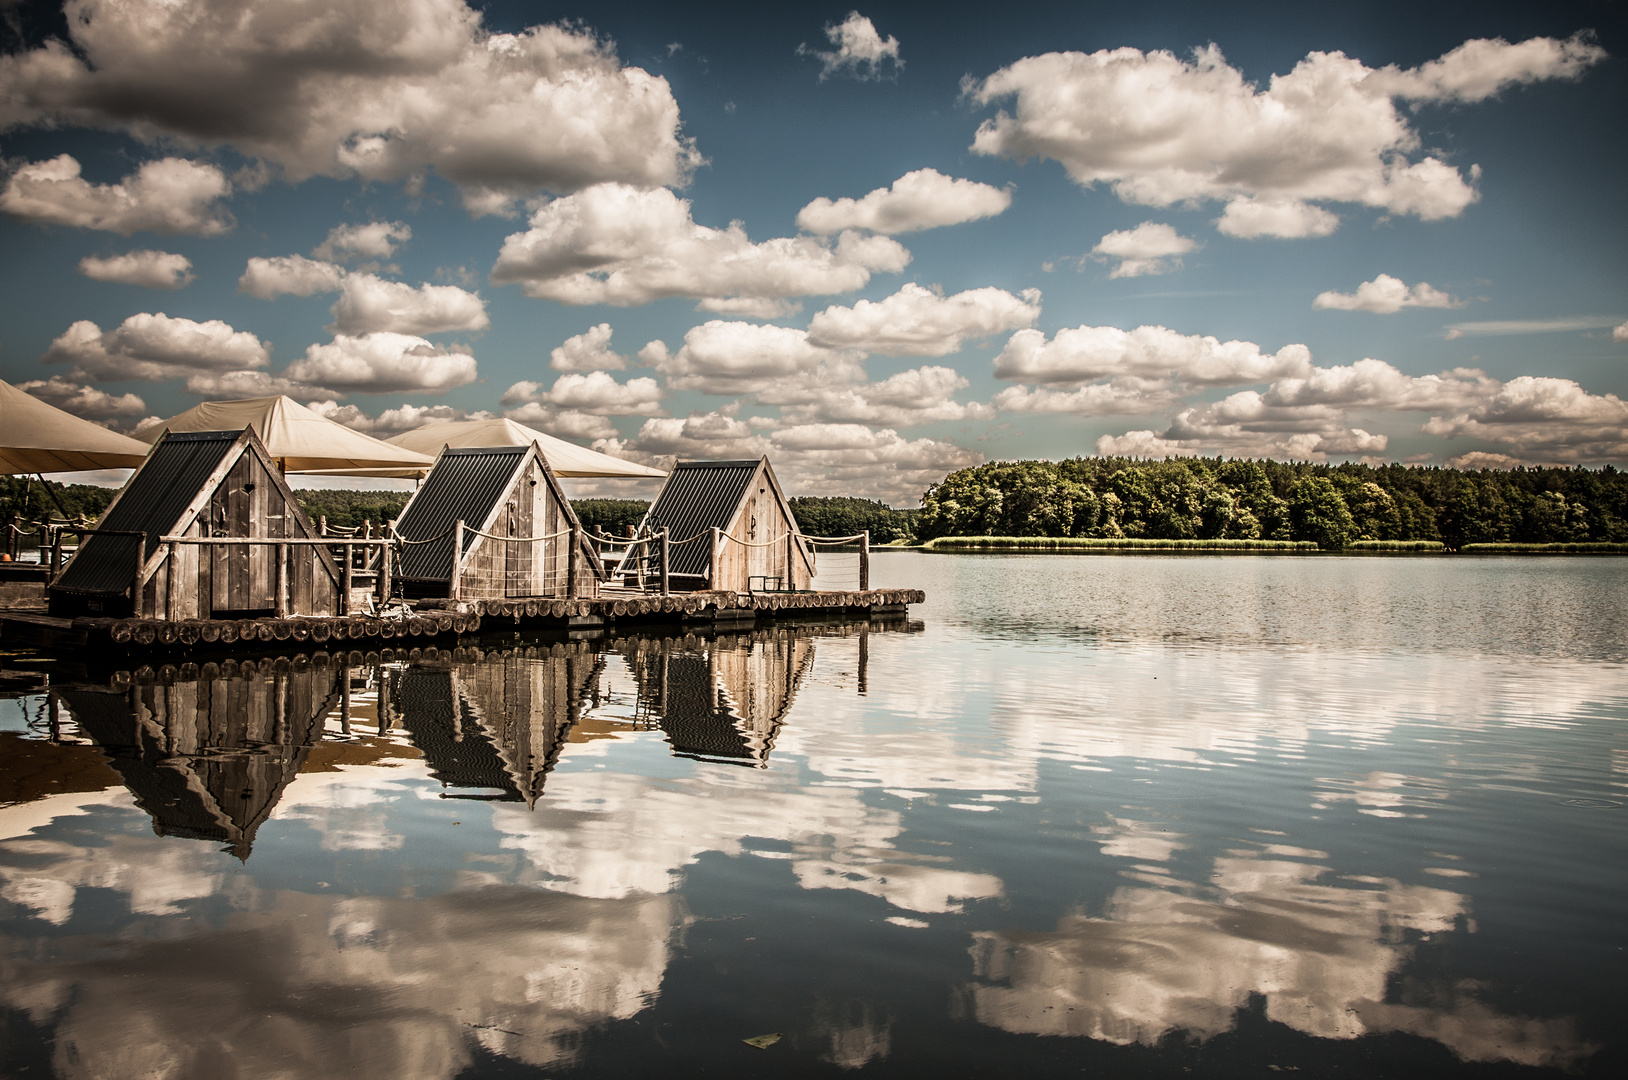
x: 876, y: 244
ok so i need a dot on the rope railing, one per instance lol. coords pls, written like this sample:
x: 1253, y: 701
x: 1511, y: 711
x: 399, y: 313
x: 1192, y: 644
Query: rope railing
x: 625, y: 541
x: 430, y: 539
x: 527, y: 539
x: 781, y: 539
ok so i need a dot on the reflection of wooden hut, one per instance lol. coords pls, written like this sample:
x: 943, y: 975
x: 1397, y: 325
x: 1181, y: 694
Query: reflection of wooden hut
x: 758, y: 546
x: 726, y: 703
x: 202, y: 485
x: 496, y: 725
x: 209, y: 759
x: 498, y: 491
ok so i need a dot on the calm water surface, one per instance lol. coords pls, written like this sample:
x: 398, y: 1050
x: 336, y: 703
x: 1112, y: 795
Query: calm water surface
x: 1133, y: 816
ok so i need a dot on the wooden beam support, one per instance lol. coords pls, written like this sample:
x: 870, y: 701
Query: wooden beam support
x: 717, y: 554
x: 457, y: 587
x: 281, y: 579
x: 864, y: 560
x: 136, y: 582
x: 666, y: 587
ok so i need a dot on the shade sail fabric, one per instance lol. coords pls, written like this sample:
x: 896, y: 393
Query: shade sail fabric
x: 40, y: 438
x: 566, y: 459
x: 304, y: 441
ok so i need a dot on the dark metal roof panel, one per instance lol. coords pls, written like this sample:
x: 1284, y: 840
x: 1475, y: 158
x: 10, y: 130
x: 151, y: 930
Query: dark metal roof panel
x: 457, y: 748
x: 153, y: 502
x: 465, y: 483
x: 698, y: 497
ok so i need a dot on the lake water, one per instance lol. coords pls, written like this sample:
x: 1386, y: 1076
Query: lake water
x: 1080, y: 815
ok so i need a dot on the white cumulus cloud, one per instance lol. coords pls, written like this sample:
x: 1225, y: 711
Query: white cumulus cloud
x: 622, y: 245
x: 153, y: 347
x: 1150, y: 248
x: 382, y: 363
x: 1162, y: 130
x: 596, y: 393
x: 1151, y: 354
x: 919, y: 396
x: 86, y: 401
x: 1620, y: 333
x: 405, y: 417
x: 153, y: 269
x: 859, y: 50
x: 920, y: 322
x: 171, y: 195
x: 823, y: 458
x: 367, y: 88
x: 290, y: 275
x: 587, y: 351
x: 726, y: 357
x: 1544, y: 419
x: 372, y: 240
x: 1385, y: 295
x: 1249, y: 218
x: 923, y: 199
x: 368, y: 303
x: 562, y: 423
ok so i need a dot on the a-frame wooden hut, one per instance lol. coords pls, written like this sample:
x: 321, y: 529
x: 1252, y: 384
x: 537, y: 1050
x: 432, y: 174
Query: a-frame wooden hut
x: 202, y: 485
x: 210, y: 758
x: 738, y: 508
x: 725, y: 703
x: 499, y: 493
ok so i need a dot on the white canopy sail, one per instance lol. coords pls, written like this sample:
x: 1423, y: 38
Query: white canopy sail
x: 39, y: 438
x: 566, y: 459
x: 301, y: 440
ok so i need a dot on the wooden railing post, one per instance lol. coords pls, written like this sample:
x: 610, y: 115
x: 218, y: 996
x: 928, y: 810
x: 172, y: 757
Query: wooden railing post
x: 717, y: 553
x: 135, y: 582
x: 386, y: 554
x: 666, y: 589
x: 458, y: 560
x: 791, y: 560
x: 350, y: 563
x: 14, y: 537
x: 322, y: 525
x: 571, y: 556
x: 56, y: 555
x: 282, y: 580
x: 864, y: 560
x: 172, y: 595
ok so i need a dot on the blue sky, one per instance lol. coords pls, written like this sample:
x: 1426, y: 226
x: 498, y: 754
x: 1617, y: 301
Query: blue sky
x: 1389, y: 232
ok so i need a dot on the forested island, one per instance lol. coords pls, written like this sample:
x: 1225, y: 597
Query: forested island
x: 1332, y: 506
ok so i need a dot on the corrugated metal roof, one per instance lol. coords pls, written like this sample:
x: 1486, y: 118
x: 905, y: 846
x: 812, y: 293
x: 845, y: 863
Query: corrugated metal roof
x: 465, y: 484
x: 697, y: 722
x: 152, y: 502
x: 698, y: 497
x: 458, y: 750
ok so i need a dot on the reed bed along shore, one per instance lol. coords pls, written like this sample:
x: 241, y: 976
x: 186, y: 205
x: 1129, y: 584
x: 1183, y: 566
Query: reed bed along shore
x: 1096, y: 543
x: 1089, y: 544
x: 1545, y: 549
x: 1396, y: 545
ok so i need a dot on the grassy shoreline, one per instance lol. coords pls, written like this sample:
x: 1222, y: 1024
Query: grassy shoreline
x: 1129, y: 545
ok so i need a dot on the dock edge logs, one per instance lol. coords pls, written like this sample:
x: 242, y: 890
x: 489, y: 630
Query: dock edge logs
x: 155, y: 634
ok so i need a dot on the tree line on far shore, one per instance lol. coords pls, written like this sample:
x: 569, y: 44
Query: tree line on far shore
x: 816, y: 516
x: 1178, y: 499
x: 1330, y: 505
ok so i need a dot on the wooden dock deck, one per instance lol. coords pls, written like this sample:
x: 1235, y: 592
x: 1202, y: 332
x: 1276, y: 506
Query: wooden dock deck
x: 20, y: 626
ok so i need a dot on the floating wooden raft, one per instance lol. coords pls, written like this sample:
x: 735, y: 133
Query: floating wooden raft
x: 539, y: 613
